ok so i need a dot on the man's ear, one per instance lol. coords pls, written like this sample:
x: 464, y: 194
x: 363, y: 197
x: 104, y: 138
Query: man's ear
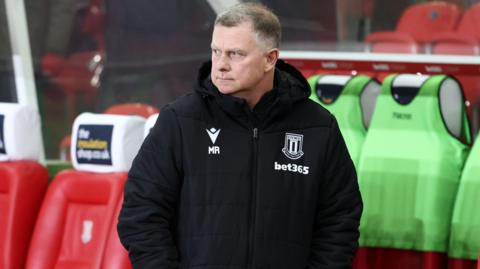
x: 271, y: 59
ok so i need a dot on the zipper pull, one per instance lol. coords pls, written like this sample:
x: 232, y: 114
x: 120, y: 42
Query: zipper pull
x: 255, y: 132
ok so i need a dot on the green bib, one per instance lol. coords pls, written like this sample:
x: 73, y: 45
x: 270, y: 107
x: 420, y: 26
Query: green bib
x: 346, y: 106
x: 409, y: 169
x: 465, y: 226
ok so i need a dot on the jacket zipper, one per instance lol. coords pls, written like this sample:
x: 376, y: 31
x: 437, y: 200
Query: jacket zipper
x: 251, y: 247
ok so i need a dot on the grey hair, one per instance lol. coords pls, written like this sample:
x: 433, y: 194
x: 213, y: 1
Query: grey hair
x: 265, y: 23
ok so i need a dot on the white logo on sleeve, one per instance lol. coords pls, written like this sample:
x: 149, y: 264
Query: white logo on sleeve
x: 293, y: 146
x: 87, y: 231
x: 213, y: 134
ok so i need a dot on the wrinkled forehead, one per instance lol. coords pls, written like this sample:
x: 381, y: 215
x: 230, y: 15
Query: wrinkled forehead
x: 242, y: 35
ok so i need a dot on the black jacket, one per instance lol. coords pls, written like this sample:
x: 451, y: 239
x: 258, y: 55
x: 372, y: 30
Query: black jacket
x: 216, y: 185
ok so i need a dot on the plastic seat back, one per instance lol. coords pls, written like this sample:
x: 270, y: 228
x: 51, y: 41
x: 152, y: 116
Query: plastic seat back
x: 116, y: 256
x: 464, y: 40
x: 75, y: 223
x: 423, y: 20
x: 23, y: 182
x: 75, y: 220
x: 470, y: 22
x: 139, y: 109
x: 351, y: 100
x: 410, y: 167
x: 416, y: 27
x: 391, y: 42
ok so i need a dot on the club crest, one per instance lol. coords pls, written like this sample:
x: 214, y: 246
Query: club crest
x: 293, y: 146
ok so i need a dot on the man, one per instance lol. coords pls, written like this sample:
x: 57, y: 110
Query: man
x: 246, y: 172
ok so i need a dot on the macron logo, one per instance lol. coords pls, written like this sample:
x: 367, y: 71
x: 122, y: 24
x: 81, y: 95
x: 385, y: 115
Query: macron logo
x: 213, y: 134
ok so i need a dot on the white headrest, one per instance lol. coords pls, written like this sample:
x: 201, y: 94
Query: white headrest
x: 20, y: 133
x: 149, y: 124
x: 334, y: 79
x: 452, y: 105
x: 105, y: 143
x: 409, y: 80
x: 368, y: 99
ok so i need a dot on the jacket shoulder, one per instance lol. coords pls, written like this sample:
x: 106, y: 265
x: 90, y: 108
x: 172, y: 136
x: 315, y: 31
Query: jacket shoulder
x: 190, y: 105
x: 312, y: 114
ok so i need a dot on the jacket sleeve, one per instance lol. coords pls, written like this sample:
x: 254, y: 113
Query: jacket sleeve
x: 147, y: 216
x: 335, y: 234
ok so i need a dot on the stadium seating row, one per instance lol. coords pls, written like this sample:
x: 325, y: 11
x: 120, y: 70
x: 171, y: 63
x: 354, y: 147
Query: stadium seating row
x: 71, y: 223
x: 431, y: 27
x: 418, y: 206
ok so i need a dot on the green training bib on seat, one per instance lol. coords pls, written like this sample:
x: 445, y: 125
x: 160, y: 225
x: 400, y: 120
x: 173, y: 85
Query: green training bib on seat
x: 351, y: 100
x: 411, y: 163
x: 465, y: 226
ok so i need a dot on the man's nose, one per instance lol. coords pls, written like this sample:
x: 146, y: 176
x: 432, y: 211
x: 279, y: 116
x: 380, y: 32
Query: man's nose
x: 223, y: 63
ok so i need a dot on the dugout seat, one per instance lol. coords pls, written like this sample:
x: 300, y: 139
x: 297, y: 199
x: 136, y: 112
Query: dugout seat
x: 76, y: 224
x: 416, y: 27
x: 116, y: 256
x: 139, y: 109
x: 465, y: 227
x: 392, y: 42
x: 409, y: 171
x: 352, y: 100
x: 23, y: 181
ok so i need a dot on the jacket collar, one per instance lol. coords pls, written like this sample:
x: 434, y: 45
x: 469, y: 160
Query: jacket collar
x: 289, y: 87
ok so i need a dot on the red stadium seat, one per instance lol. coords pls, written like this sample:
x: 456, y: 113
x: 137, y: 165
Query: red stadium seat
x: 23, y: 181
x: 75, y: 225
x: 465, y: 40
x: 384, y: 42
x: 138, y: 109
x: 76, y: 220
x: 116, y: 256
x: 423, y: 20
x: 418, y: 24
x: 22, y: 187
x: 470, y: 22
x: 454, y: 43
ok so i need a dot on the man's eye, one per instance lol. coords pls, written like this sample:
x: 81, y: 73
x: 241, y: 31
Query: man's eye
x: 236, y: 54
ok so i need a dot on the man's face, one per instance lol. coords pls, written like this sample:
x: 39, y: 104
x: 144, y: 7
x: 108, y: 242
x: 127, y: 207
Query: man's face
x: 239, y: 63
